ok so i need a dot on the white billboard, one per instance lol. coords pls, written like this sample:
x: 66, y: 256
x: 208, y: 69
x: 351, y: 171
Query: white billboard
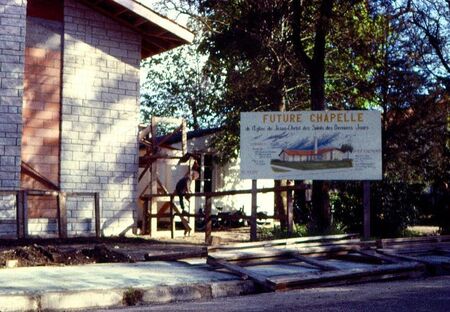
x: 317, y: 145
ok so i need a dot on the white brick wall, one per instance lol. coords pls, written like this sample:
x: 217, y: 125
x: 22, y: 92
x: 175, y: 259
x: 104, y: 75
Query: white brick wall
x: 8, y: 227
x: 100, y: 113
x: 43, y: 227
x: 12, y: 45
x: 80, y: 216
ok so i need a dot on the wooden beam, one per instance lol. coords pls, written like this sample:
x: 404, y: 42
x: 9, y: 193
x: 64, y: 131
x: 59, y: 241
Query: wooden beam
x: 139, y: 8
x: 22, y: 214
x: 174, y: 256
x: 387, y: 271
x: 153, y: 182
x: 97, y: 214
x: 208, y: 221
x: 290, y: 213
x: 237, y: 192
x: 185, y: 223
x: 314, y: 262
x: 253, y: 224
x: 376, y: 255
x: 31, y: 172
x: 366, y: 207
x: 241, y: 272
x: 339, y: 238
x: 62, y: 215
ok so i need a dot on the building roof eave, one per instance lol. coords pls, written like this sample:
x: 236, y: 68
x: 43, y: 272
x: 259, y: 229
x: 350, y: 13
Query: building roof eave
x: 159, y: 34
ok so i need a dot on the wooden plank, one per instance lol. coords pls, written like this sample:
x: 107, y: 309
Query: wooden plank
x: 182, y: 218
x: 376, y: 255
x: 253, y: 254
x: 25, y: 214
x: 20, y: 216
x: 172, y: 221
x: 31, y: 172
x: 146, y: 218
x: 153, y: 183
x: 236, y: 192
x: 388, y: 276
x: 97, y: 214
x: 349, y: 275
x: 174, y: 256
x: 290, y: 213
x: 208, y: 221
x: 164, y: 208
x: 62, y: 215
x: 366, y: 208
x: 288, y: 241
x: 241, y: 272
x: 412, y: 240
x: 184, y: 138
x: 410, y: 258
x: 320, y: 264
x: 253, y: 224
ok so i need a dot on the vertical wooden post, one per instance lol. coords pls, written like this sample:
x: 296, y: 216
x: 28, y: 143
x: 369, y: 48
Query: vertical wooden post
x: 145, y: 217
x: 172, y: 221
x: 20, y: 214
x: 62, y: 215
x: 366, y: 205
x: 290, y: 212
x: 97, y: 214
x: 253, y: 225
x: 184, y: 137
x: 208, y: 221
x: 154, y: 183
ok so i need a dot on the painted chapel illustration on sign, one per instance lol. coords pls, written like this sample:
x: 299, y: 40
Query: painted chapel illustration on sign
x: 339, y: 145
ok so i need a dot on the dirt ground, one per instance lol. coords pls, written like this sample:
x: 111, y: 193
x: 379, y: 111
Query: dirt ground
x: 38, y: 252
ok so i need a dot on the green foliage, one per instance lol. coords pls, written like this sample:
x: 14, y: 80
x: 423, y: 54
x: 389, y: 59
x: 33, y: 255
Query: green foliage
x: 177, y: 86
x: 276, y: 232
x: 300, y: 230
x: 132, y: 296
x: 346, y: 205
x: 392, y: 56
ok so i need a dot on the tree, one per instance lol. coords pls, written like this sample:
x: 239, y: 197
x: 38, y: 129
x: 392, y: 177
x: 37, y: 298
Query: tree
x: 324, y: 54
x: 177, y: 86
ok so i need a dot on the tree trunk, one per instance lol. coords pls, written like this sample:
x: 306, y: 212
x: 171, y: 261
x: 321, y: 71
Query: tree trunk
x: 315, y: 65
x: 321, y: 210
x: 280, y: 204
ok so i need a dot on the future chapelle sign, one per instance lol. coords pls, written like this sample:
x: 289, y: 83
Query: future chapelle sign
x: 318, y: 145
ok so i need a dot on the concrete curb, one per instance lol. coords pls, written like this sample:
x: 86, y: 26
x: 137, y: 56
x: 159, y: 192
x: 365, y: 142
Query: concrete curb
x: 104, y: 298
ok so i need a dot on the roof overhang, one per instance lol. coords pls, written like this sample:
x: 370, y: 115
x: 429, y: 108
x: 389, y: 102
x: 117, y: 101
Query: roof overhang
x: 159, y: 33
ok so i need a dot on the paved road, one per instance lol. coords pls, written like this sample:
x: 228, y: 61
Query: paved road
x: 431, y: 294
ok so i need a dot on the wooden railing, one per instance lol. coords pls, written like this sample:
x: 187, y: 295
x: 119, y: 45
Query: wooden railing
x: 148, y: 198
x: 61, y: 199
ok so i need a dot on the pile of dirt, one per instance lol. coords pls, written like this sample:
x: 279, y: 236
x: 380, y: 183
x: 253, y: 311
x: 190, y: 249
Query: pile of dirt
x: 37, y: 255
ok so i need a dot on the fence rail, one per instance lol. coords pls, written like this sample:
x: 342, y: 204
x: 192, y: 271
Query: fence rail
x: 149, y: 198
x: 61, y: 198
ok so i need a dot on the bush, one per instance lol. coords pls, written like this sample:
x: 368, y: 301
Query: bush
x: 394, y: 207
x: 346, y: 205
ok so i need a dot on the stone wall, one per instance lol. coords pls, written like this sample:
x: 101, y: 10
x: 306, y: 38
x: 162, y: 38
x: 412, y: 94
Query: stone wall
x: 80, y: 216
x: 8, y: 224
x: 100, y: 113
x: 12, y: 45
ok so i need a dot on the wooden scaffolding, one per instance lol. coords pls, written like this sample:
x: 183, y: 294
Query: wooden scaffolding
x: 156, y: 208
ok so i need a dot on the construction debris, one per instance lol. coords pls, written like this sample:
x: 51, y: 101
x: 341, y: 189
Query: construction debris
x: 331, y: 260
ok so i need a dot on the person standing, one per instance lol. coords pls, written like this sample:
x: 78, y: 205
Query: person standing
x: 183, y: 188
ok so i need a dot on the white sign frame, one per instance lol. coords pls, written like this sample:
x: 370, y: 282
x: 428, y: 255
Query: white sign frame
x: 311, y: 145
